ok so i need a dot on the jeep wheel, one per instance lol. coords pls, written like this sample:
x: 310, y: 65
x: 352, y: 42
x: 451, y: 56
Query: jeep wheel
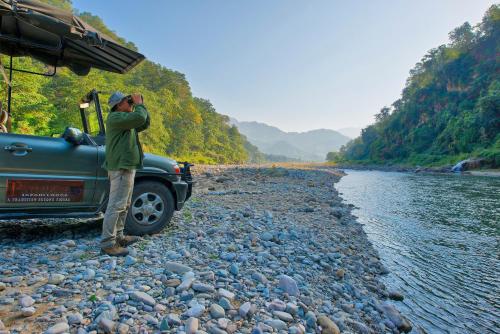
x: 151, y: 208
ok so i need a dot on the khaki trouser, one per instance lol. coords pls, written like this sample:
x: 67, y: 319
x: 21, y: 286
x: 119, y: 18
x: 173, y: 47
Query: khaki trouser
x: 120, y: 195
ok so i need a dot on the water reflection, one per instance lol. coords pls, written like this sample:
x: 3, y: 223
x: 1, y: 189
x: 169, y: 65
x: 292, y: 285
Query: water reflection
x: 439, y: 236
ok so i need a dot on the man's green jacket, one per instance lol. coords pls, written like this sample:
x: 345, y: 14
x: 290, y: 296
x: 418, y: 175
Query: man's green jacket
x: 123, y: 149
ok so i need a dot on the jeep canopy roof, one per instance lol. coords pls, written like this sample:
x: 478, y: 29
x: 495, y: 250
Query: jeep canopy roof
x: 58, y: 38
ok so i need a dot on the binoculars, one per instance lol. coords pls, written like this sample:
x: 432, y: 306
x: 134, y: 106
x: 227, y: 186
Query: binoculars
x: 130, y: 101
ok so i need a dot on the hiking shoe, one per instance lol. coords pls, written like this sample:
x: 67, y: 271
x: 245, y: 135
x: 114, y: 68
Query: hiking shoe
x: 127, y: 240
x: 116, y: 250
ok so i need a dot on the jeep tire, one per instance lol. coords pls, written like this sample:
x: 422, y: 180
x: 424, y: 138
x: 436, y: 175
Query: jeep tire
x: 151, y: 208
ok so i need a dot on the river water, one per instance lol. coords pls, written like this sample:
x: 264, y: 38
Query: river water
x: 439, y: 237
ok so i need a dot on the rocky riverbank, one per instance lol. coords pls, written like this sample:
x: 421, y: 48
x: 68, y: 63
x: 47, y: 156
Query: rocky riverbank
x: 255, y: 250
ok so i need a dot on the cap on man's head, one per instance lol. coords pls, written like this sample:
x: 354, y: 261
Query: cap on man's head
x: 115, y: 98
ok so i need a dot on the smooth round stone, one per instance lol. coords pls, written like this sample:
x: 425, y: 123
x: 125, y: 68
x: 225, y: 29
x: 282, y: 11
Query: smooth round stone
x: 192, y: 325
x: 142, y: 297
x: 177, y: 268
x: 195, y: 311
x: 28, y: 311
x: 26, y: 301
x: 58, y: 328
x: 202, y: 287
x: 288, y: 285
x: 216, y: 311
x: 74, y: 318
x: 283, y: 316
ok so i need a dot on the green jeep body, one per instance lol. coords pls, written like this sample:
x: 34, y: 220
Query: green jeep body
x: 54, y: 177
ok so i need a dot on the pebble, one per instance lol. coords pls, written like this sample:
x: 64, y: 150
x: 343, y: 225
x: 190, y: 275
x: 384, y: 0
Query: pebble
x: 130, y: 260
x: 108, y: 326
x: 217, y: 311
x: 56, y: 279
x: 226, y: 294
x: 195, y: 311
x: 288, y: 285
x: 192, y: 325
x: 177, y: 268
x: 28, y: 311
x: 26, y: 301
x: 142, y: 297
x: 245, y: 309
x: 59, y: 328
x: 327, y: 325
x: 74, y: 318
x: 201, y: 287
x: 283, y: 316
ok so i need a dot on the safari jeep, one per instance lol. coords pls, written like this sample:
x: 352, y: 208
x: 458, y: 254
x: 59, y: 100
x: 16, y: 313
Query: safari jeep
x: 62, y: 176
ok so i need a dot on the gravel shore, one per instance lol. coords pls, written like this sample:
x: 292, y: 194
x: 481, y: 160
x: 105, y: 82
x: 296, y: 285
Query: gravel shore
x: 255, y: 250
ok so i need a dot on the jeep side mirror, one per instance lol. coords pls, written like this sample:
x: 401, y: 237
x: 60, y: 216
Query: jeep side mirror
x: 73, y: 135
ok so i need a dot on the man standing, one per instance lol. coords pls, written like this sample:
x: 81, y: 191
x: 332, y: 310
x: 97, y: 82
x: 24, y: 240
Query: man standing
x: 124, y: 156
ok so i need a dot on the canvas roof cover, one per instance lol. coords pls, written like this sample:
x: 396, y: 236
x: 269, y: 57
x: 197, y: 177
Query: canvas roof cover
x: 59, y: 38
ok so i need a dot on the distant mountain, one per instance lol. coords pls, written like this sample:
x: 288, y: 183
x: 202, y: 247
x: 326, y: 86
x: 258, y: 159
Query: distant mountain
x: 351, y: 132
x: 306, y: 146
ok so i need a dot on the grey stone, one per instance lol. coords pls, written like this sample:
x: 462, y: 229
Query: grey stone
x: 88, y: 274
x: 74, y: 318
x: 216, y: 311
x: 192, y: 325
x: 129, y: 260
x: 26, y: 301
x: 276, y: 324
x: 123, y: 328
x: 283, y: 316
x: 185, y: 285
x: 142, y: 297
x: 108, y: 326
x: 195, y: 311
x: 288, y: 285
x: 259, y: 277
x: 201, y: 287
x: 245, y: 310
x: 56, y: 279
x: 28, y: 311
x: 226, y: 294
x: 173, y: 319
x: 177, y: 268
x: 225, y: 303
x: 59, y: 328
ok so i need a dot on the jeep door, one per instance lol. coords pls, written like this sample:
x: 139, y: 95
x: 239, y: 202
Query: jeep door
x: 46, y: 175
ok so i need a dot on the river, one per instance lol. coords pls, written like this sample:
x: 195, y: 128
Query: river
x: 439, y: 237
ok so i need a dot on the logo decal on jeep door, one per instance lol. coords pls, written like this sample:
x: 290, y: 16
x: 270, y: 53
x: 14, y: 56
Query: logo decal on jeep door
x: 26, y: 191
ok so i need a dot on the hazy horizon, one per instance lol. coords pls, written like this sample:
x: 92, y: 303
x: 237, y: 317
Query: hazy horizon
x: 295, y: 65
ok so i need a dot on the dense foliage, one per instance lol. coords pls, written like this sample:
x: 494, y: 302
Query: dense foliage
x: 449, y: 109
x: 182, y: 126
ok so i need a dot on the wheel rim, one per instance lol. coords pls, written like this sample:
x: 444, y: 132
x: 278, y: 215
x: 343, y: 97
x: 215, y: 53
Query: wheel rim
x: 147, y: 208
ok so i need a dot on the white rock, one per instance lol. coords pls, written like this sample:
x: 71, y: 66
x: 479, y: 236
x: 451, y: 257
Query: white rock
x: 28, y: 311
x: 58, y: 328
x: 225, y: 293
x: 177, y: 268
x: 288, y: 285
x: 143, y: 297
x: 26, y: 301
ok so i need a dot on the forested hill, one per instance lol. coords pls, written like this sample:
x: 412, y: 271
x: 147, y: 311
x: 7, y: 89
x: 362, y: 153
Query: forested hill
x: 182, y: 126
x: 449, y: 108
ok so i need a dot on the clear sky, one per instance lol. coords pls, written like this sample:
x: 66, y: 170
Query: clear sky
x: 297, y: 65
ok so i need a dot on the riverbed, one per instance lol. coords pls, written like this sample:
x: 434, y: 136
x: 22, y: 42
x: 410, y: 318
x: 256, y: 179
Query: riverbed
x: 439, y: 237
